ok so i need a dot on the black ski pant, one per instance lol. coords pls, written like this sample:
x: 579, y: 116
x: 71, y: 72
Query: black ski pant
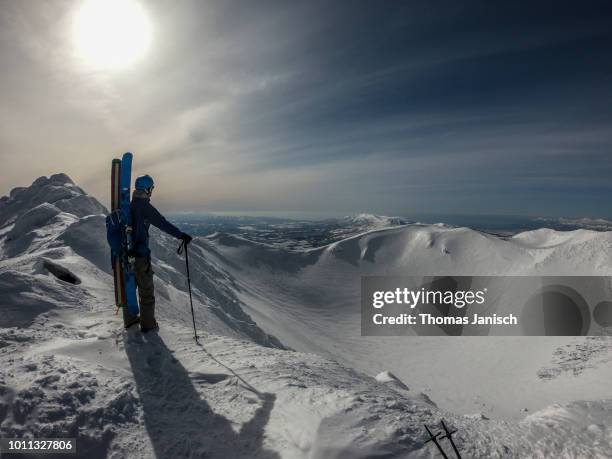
x: 146, y: 294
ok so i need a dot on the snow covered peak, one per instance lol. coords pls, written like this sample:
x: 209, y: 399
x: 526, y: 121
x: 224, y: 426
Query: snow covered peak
x: 57, y: 190
x: 374, y: 221
x: 55, y: 179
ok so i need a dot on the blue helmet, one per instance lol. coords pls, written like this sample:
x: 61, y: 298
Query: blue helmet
x: 144, y: 182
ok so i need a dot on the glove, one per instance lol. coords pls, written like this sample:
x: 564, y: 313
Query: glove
x: 186, y: 238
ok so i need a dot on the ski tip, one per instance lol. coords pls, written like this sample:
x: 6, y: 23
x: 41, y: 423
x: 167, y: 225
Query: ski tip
x: 127, y: 155
x: 116, y: 160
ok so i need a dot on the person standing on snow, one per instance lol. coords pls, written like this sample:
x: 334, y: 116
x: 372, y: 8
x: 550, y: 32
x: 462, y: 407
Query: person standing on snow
x: 144, y: 215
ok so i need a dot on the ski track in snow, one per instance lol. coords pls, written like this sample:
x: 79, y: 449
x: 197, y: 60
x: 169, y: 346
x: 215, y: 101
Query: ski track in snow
x: 69, y: 370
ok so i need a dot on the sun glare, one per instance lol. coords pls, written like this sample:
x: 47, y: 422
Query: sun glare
x: 111, y: 34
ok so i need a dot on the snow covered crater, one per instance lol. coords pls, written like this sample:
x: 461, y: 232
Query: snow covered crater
x: 282, y: 370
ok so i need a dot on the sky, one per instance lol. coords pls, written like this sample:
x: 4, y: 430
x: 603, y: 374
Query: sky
x: 394, y: 107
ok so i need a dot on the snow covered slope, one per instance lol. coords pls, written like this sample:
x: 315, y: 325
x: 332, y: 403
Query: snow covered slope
x: 129, y: 395
x: 311, y: 302
x: 69, y: 369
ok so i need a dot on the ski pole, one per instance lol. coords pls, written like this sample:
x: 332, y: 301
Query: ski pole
x: 449, y: 435
x: 434, y: 438
x: 180, y: 249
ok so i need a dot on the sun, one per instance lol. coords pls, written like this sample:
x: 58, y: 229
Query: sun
x: 111, y: 34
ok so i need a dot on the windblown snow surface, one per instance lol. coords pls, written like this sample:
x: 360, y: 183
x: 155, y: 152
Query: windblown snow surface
x: 281, y: 370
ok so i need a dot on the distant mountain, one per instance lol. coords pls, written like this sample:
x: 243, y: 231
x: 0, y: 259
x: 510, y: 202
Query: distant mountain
x: 293, y: 235
x: 372, y: 221
x: 595, y: 224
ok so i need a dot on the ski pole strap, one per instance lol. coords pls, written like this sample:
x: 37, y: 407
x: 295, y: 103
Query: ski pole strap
x: 182, y: 247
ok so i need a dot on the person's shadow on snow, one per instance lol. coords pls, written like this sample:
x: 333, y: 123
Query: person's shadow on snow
x: 180, y: 423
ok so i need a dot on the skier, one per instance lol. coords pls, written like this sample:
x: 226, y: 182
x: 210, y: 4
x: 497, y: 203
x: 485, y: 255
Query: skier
x: 144, y: 215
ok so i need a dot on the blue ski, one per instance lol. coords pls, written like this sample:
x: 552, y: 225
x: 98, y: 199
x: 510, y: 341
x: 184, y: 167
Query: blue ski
x: 128, y: 258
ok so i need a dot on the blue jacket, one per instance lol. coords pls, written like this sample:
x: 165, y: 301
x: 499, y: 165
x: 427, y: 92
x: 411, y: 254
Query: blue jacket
x: 144, y: 215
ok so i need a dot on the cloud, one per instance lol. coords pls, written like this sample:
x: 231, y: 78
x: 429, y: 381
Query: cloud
x: 312, y: 106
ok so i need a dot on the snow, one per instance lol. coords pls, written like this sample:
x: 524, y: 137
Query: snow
x: 70, y: 370
x: 32, y: 219
x: 325, y: 296
x: 372, y: 221
x: 388, y: 377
